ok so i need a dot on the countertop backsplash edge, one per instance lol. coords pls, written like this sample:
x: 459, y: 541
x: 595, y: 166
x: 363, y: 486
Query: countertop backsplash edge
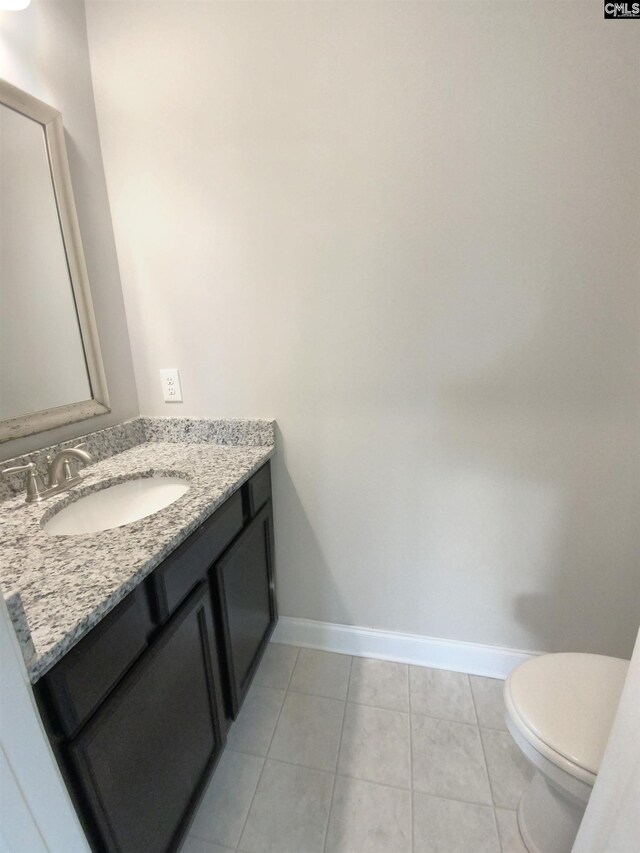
x: 104, y: 443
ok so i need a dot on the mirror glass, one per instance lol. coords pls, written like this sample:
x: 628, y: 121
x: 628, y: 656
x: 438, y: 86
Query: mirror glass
x: 51, y: 369
x: 42, y: 363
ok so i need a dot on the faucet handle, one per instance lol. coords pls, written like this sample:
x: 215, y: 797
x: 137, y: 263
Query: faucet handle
x: 70, y: 466
x: 69, y: 470
x: 29, y: 466
x: 35, y: 483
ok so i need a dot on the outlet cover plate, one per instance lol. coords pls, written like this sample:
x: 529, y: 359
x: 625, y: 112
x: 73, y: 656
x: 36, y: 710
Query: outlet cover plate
x: 171, y: 389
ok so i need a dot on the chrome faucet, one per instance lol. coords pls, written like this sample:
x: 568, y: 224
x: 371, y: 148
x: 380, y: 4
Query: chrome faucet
x: 62, y: 473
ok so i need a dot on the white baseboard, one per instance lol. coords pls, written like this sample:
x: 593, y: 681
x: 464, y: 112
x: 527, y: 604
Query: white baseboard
x: 474, y: 658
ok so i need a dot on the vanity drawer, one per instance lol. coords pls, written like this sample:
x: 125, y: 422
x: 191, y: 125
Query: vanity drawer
x: 259, y: 489
x: 174, y: 579
x: 87, y: 673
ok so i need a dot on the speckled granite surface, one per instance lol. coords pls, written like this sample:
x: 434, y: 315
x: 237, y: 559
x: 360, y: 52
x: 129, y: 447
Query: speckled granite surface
x: 101, y: 445
x: 104, y: 443
x: 66, y: 584
x: 208, y: 430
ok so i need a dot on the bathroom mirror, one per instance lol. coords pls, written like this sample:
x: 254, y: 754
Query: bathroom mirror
x: 51, y: 370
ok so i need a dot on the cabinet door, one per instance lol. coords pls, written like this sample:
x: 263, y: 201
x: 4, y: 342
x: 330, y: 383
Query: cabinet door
x: 86, y: 674
x: 144, y: 757
x: 246, y: 602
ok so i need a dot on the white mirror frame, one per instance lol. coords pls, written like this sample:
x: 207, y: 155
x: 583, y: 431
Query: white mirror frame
x: 51, y: 121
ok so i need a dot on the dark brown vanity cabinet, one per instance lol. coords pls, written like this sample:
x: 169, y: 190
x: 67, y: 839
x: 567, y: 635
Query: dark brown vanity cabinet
x: 143, y: 756
x: 246, y: 602
x: 85, y: 676
x: 191, y: 561
x: 138, y: 710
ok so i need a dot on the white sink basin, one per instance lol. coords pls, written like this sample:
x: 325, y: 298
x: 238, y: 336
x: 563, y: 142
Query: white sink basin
x: 116, y: 505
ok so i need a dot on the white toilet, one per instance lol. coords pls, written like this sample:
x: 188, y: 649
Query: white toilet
x: 560, y: 709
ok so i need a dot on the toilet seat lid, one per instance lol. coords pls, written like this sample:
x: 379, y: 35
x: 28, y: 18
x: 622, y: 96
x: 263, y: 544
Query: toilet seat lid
x: 568, y: 701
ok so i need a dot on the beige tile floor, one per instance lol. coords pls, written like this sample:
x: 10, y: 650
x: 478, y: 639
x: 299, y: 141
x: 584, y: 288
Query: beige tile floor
x: 333, y: 754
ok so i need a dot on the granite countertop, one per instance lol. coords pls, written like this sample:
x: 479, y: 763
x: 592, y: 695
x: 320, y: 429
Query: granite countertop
x: 58, y: 587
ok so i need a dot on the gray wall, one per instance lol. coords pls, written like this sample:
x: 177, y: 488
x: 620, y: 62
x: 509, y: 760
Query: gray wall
x: 44, y: 51
x: 407, y: 231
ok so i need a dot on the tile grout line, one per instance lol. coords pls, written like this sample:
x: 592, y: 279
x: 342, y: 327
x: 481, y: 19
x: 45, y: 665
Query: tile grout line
x: 264, y: 763
x: 449, y: 720
x: 486, y: 766
x: 375, y: 781
x: 473, y: 704
x: 321, y: 696
x: 350, y: 701
x: 442, y: 719
x: 335, y: 775
x: 399, y: 710
x: 359, y: 778
x: 492, y: 728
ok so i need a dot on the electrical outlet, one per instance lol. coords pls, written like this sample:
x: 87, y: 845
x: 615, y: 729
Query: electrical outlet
x: 171, y: 390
